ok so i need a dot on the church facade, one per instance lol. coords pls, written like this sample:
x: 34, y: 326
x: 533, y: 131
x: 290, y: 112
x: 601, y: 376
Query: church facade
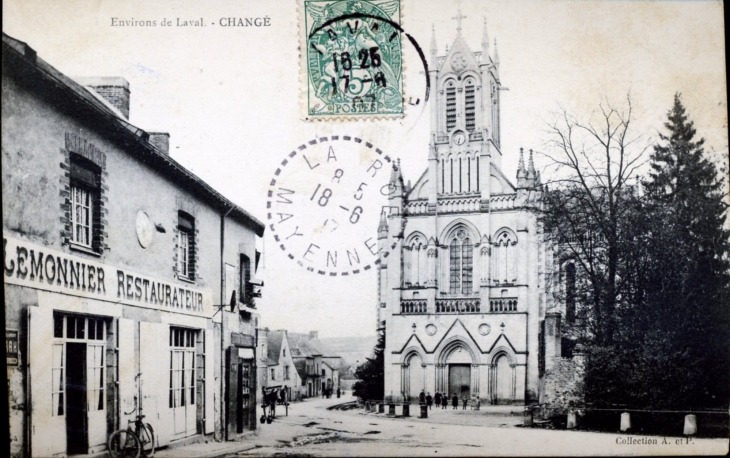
x: 462, y: 301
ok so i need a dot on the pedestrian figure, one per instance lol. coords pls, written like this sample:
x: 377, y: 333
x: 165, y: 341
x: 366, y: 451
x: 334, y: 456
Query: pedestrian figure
x: 338, y: 393
x: 437, y: 399
x: 444, y: 400
x: 429, y: 400
x: 455, y: 401
x: 477, y: 403
x: 422, y: 398
x: 464, y: 400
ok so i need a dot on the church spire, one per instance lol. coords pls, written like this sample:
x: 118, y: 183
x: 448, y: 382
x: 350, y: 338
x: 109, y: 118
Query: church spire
x: 383, y: 226
x: 521, y: 171
x: 532, y: 175
x: 485, y: 41
x: 531, y: 168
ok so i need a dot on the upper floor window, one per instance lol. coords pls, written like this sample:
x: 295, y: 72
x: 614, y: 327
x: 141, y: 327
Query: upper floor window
x: 85, y: 186
x: 504, y: 258
x: 450, y: 105
x: 186, y: 246
x: 245, y: 280
x: 469, y: 105
x: 273, y: 374
x: 286, y: 372
x: 460, y: 263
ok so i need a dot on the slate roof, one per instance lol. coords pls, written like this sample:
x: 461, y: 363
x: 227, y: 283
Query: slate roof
x: 274, y: 341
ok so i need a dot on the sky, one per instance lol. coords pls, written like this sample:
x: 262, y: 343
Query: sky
x: 229, y: 96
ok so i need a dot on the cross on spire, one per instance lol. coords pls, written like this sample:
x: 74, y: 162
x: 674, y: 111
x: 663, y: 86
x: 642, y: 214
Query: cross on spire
x: 458, y: 18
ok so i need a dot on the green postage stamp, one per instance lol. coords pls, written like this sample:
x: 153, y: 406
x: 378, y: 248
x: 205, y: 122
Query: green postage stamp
x: 351, y: 59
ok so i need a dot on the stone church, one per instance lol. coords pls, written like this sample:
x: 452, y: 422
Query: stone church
x: 462, y: 300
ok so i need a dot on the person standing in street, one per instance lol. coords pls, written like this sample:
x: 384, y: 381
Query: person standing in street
x: 422, y: 398
x: 429, y: 400
x: 464, y: 400
x: 444, y: 400
x: 455, y: 401
x: 437, y: 399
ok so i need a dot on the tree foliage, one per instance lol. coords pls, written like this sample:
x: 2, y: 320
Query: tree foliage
x: 651, y: 261
x: 370, y: 376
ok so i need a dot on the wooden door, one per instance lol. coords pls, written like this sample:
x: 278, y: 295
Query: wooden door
x: 460, y: 380
x: 96, y: 393
x: 232, y: 389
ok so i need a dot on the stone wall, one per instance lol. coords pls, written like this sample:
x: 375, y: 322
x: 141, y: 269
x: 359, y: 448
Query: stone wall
x: 563, y: 385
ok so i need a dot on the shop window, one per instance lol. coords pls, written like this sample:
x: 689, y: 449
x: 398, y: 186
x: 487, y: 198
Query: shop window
x: 95, y: 376
x: 85, y: 214
x: 182, y: 367
x: 186, y: 246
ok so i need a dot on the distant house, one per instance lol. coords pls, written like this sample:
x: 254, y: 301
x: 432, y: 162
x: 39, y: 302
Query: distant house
x: 317, y: 366
x: 281, y: 370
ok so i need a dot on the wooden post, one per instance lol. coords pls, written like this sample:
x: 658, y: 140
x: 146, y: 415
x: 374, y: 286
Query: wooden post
x: 625, y: 421
x: 572, y: 420
x: 690, y: 425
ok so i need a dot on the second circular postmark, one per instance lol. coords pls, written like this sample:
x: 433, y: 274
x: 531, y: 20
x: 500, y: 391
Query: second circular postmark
x: 324, y: 204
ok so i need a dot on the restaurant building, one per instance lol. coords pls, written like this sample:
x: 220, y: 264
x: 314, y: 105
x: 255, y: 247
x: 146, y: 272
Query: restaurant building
x: 129, y: 282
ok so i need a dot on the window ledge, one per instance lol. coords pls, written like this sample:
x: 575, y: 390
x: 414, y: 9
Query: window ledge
x: 84, y: 249
x: 185, y: 280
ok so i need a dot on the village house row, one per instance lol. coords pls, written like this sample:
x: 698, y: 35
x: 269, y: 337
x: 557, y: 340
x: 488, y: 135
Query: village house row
x: 130, y: 284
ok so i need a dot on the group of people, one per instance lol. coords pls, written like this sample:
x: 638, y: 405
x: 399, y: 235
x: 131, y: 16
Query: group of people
x: 443, y: 400
x: 327, y: 393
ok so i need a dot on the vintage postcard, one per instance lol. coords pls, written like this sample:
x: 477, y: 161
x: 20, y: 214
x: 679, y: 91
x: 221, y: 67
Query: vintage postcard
x: 365, y: 228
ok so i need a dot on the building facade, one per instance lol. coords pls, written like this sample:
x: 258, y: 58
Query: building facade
x: 119, y: 268
x: 462, y: 301
x: 281, y: 370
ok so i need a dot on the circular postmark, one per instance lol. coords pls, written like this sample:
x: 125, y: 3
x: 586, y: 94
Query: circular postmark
x: 324, y: 205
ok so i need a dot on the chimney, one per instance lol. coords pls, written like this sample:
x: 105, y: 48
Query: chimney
x: 114, y: 89
x: 161, y: 141
x: 313, y: 335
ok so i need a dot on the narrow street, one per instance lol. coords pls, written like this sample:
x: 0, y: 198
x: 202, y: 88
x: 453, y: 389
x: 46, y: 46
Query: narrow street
x: 312, y: 430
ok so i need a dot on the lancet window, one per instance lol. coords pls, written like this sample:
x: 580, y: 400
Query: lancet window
x: 461, y: 263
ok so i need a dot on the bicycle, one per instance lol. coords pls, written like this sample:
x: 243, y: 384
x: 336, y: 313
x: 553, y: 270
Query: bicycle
x: 130, y: 443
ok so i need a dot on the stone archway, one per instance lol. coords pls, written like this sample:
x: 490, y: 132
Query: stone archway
x: 457, y: 370
x: 502, y: 378
x: 413, y: 375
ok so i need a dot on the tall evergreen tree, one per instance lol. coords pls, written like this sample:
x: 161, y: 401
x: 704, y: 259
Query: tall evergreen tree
x: 371, y: 375
x: 684, y: 325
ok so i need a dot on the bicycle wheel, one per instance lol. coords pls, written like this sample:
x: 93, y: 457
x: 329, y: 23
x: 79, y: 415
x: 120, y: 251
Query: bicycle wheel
x: 124, y: 444
x: 147, y: 439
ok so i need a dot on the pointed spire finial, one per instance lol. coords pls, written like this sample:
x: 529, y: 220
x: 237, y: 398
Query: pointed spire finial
x: 521, y: 172
x: 434, y: 48
x: 496, y: 53
x: 485, y: 35
x: 383, y: 226
x: 531, y: 167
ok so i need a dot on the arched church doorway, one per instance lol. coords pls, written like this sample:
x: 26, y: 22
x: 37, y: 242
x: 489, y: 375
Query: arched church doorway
x: 503, y: 378
x: 415, y: 376
x: 459, y: 375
